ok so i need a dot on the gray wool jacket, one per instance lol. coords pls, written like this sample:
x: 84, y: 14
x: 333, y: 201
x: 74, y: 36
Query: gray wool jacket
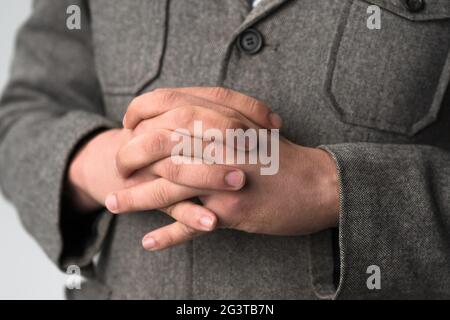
x: 377, y: 100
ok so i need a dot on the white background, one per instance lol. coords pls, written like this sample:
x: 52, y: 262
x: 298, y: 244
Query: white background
x: 25, y: 271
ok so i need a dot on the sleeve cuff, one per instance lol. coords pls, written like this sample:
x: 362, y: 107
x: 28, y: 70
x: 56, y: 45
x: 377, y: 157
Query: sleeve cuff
x: 390, y: 224
x: 43, y: 159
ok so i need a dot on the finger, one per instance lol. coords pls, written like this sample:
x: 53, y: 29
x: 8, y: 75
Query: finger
x: 159, y: 193
x: 169, y: 236
x: 149, y: 147
x: 205, y: 124
x: 193, y: 119
x: 160, y: 101
x: 192, y: 215
x: 202, y: 176
x: 251, y: 108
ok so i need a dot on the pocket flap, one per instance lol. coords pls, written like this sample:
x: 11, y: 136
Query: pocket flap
x: 392, y: 79
x: 129, y: 42
x: 432, y: 10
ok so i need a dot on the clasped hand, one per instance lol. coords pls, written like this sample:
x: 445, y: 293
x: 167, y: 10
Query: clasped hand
x: 132, y: 169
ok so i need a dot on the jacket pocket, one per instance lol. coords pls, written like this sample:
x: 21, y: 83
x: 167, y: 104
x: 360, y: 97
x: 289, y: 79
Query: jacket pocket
x: 129, y: 42
x: 394, y: 78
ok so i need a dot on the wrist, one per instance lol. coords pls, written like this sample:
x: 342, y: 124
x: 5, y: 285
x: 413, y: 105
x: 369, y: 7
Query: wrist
x: 328, y: 188
x: 76, y: 187
x: 78, y: 176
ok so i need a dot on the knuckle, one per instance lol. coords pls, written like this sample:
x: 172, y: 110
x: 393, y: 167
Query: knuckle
x: 187, y: 231
x: 165, y: 96
x: 207, y: 178
x: 156, y: 143
x: 256, y: 107
x: 157, y: 91
x: 221, y: 93
x: 126, y: 200
x: 173, y: 171
x: 170, y: 238
x: 234, y: 204
x: 184, y: 115
x: 161, y: 197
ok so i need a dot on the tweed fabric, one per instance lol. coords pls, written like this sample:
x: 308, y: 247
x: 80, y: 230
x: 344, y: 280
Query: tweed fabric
x: 377, y: 100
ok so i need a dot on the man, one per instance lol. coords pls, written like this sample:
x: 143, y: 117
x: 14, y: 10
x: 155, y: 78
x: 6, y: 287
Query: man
x: 364, y: 175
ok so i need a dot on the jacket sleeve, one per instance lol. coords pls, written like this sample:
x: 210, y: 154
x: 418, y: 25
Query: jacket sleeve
x: 395, y: 215
x: 51, y: 104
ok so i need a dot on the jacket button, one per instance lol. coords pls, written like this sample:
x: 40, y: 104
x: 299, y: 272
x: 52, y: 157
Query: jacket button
x: 415, y: 5
x: 250, y: 41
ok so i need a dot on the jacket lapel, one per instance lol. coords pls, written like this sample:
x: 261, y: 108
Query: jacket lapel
x: 264, y: 8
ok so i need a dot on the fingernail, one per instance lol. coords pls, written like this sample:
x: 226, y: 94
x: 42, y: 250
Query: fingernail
x: 207, y: 222
x: 124, y: 121
x: 275, y: 120
x: 234, y: 179
x: 111, y: 203
x: 149, y: 243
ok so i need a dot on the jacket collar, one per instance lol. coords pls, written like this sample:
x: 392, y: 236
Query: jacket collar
x: 264, y: 8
